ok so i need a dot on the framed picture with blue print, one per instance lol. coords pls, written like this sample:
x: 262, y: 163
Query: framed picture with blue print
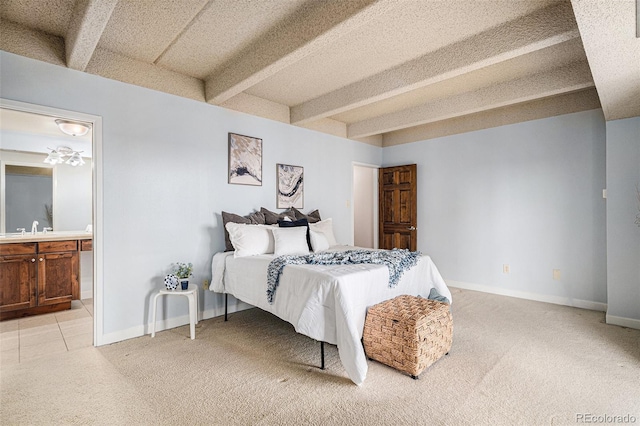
x: 290, y: 186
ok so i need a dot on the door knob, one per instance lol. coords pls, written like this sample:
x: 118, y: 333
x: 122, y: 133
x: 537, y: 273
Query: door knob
x: 411, y: 228
x: 33, y: 260
x: 41, y: 259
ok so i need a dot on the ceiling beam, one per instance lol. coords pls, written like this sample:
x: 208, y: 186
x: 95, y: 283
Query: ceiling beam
x: 607, y: 30
x: 539, y: 30
x: 89, y: 20
x: 23, y: 41
x: 569, y: 78
x: 119, y: 67
x: 315, y: 26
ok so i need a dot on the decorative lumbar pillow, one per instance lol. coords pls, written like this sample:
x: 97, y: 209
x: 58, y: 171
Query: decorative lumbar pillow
x: 250, y: 240
x: 271, y: 218
x: 325, y: 227
x: 318, y: 241
x: 256, y: 218
x: 290, y: 240
x: 312, y: 217
x: 288, y: 223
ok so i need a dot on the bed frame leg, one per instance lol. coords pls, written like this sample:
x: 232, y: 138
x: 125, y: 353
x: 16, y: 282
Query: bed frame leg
x: 225, y: 306
x: 321, y: 355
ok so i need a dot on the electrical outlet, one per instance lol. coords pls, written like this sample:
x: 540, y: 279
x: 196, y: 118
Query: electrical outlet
x: 205, y: 284
x: 556, y: 274
x: 506, y: 269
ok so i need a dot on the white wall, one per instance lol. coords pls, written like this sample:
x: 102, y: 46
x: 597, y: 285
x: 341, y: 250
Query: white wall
x: 623, y: 234
x: 72, y: 197
x: 528, y: 195
x: 165, y: 179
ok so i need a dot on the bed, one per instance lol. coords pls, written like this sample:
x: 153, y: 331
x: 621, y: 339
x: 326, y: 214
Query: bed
x: 327, y: 303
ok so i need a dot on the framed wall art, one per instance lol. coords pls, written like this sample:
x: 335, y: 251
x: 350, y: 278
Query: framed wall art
x: 290, y: 186
x: 245, y: 160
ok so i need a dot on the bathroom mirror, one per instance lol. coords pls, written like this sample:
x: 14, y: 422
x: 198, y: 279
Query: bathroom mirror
x: 28, y: 197
x: 26, y: 139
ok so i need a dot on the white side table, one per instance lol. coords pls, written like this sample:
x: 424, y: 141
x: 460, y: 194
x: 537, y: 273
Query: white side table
x: 191, y: 293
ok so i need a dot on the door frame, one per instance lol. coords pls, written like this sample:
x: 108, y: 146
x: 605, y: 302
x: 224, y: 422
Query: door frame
x: 97, y: 196
x: 375, y: 202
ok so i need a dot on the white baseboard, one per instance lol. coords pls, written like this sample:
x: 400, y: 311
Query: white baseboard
x: 622, y: 321
x: 165, y: 324
x: 119, y: 336
x: 557, y: 300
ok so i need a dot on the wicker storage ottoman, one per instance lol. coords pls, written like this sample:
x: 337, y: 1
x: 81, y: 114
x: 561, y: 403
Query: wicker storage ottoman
x: 408, y: 333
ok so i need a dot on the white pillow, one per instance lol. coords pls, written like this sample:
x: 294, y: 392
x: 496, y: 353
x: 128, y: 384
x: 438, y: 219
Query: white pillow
x: 290, y: 240
x: 326, y: 227
x: 250, y: 240
x: 318, y: 241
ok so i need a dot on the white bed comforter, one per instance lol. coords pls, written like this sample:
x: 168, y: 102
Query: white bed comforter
x: 325, y: 302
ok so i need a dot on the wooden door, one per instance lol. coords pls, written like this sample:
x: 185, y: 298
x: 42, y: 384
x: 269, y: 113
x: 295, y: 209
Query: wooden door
x: 17, y: 282
x: 398, y: 207
x: 57, y: 277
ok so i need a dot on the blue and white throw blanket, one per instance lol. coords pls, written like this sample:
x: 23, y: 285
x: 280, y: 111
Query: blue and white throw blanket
x: 397, y: 260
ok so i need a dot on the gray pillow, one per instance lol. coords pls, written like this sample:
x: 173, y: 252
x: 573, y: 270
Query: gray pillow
x: 256, y: 218
x: 312, y: 217
x: 272, y: 218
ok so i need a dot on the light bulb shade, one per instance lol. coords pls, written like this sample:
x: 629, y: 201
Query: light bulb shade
x: 54, y: 158
x: 75, y: 160
x: 64, y: 154
x: 72, y: 128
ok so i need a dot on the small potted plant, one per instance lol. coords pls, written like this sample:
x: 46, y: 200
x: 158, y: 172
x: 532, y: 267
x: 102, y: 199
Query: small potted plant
x: 183, y: 271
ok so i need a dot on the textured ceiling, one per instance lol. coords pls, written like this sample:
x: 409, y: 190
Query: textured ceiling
x: 363, y: 69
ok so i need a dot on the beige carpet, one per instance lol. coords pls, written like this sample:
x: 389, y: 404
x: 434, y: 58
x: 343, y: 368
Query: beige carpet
x: 513, y: 362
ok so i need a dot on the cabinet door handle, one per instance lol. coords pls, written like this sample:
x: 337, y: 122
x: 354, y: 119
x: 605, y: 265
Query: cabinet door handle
x: 41, y: 259
x: 411, y: 228
x: 33, y: 260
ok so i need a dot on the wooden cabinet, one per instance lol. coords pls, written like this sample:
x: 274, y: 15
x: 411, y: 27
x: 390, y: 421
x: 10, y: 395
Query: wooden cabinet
x: 38, y: 277
x: 17, y: 276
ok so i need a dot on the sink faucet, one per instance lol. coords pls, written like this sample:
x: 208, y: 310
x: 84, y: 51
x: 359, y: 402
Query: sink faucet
x: 34, y: 227
x: 44, y: 230
x: 21, y: 230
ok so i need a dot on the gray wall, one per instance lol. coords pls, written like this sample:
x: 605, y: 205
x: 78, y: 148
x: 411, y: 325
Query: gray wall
x: 623, y: 235
x: 26, y: 197
x: 165, y: 179
x: 528, y: 195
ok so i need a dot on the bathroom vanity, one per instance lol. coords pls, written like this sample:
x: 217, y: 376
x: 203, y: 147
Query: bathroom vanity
x: 40, y: 273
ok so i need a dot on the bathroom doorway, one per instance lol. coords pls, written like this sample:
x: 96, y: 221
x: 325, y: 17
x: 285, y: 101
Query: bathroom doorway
x: 29, y: 135
x: 365, y: 205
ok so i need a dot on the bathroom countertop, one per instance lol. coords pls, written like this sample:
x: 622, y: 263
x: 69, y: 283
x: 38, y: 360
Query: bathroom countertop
x: 49, y: 236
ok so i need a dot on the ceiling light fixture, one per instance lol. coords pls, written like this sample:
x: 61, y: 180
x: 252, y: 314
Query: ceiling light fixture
x: 58, y: 155
x: 72, y: 128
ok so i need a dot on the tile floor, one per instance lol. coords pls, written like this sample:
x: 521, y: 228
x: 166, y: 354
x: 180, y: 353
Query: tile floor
x: 38, y: 336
